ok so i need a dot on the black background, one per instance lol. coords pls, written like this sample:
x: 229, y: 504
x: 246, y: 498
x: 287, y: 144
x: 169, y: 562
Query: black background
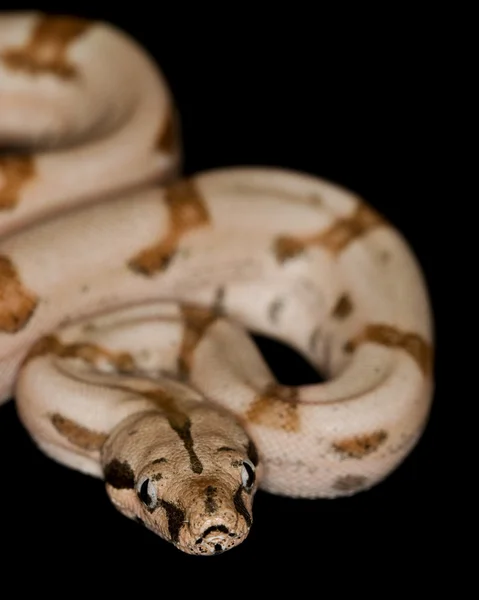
x: 349, y: 97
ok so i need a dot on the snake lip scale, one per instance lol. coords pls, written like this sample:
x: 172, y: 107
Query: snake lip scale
x: 127, y: 291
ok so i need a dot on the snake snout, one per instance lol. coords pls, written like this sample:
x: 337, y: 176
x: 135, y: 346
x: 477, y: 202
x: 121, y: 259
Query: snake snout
x: 217, y: 534
x: 216, y: 539
x: 218, y: 517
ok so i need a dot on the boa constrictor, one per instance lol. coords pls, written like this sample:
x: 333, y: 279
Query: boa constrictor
x: 122, y: 321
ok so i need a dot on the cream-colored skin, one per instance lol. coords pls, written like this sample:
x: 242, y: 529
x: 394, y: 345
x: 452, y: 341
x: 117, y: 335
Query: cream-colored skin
x: 123, y: 333
x: 106, y: 117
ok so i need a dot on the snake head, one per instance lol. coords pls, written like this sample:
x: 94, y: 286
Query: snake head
x: 200, y: 500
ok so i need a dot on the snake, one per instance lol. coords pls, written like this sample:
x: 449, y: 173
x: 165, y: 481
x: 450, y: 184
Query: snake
x: 129, y: 292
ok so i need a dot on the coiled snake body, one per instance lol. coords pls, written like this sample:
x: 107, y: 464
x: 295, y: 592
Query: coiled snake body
x: 125, y: 292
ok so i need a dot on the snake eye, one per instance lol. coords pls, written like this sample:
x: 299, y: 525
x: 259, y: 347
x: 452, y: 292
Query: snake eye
x: 147, y: 494
x: 248, y: 475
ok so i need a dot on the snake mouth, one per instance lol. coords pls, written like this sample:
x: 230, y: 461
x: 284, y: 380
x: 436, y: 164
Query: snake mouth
x: 215, y: 540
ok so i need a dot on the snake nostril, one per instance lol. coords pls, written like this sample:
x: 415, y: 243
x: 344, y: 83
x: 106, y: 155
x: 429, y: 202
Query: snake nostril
x: 216, y: 539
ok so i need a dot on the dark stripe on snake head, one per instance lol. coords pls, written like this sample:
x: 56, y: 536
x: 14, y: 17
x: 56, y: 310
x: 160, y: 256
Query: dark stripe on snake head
x: 240, y: 506
x: 119, y: 475
x: 211, y: 505
x: 183, y: 429
x: 176, y: 518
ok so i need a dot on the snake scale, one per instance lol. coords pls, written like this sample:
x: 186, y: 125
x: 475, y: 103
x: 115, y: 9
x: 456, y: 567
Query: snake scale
x: 127, y: 292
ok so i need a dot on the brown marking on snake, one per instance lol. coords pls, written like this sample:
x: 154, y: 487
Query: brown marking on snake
x: 184, y: 433
x: 77, y: 434
x: 48, y: 344
x: 335, y: 239
x: 93, y: 354
x: 197, y: 320
x: 15, y: 171
x: 347, y: 229
x: 119, y: 475
x: 211, y: 505
x: 179, y: 421
x: 17, y: 303
x: 167, y: 140
x: 187, y: 211
x: 276, y: 407
x: 343, y: 307
x: 286, y: 247
x: 360, y: 445
x: 176, y: 518
x: 349, y: 483
x: 46, y: 50
x: 387, y: 335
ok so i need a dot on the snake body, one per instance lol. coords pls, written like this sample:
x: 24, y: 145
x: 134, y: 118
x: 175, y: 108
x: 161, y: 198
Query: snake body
x: 126, y: 293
